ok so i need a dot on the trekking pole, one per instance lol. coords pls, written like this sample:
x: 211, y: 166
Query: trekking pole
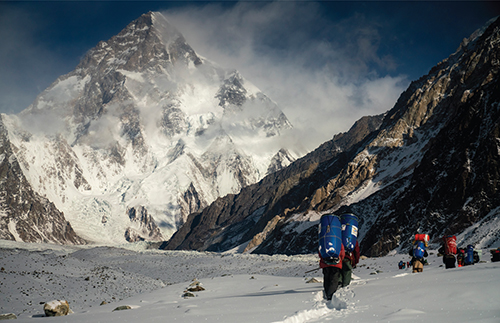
x: 312, y: 270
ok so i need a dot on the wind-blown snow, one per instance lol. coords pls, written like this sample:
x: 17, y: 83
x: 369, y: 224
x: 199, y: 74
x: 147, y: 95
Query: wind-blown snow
x: 238, y: 287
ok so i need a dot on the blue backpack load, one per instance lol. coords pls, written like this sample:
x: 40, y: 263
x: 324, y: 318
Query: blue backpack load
x: 330, y: 238
x: 349, y: 226
x: 419, y: 250
x: 469, y: 255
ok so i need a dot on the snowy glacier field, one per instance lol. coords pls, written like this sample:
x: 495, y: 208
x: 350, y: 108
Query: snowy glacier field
x: 237, y: 287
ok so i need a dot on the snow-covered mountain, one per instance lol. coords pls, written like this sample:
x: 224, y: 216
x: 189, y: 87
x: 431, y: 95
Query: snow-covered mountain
x: 142, y: 133
x: 429, y: 165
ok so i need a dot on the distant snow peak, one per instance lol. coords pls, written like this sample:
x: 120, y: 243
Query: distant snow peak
x: 282, y: 159
x: 232, y: 93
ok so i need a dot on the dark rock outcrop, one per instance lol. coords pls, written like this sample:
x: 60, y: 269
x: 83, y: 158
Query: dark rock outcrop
x: 27, y: 216
x: 143, y: 227
x: 56, y: 308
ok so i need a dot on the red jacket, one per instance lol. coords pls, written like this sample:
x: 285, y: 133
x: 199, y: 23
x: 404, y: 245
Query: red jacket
x: 354, y: 255
x: 322, y: 263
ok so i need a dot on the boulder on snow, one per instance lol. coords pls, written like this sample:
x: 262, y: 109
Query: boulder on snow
x: 188, y: 294
x: 56, y: 308
x: 196, y: 288
x: 312, y: 281
x: 8, y: 316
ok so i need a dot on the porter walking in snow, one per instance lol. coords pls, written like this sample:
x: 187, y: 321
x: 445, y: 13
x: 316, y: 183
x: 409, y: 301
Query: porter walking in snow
x: 449, y: 250
x: 331, y: 252
x: 331, y: 273
x: 418, y: 252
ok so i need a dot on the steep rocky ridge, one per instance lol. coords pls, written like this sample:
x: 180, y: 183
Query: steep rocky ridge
x: 234, y: 219
x: 431, y: 166
x: 24, y: 214
x: 455, y: 185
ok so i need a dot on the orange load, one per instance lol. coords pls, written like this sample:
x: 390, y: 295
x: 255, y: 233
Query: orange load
x: 422, y: 237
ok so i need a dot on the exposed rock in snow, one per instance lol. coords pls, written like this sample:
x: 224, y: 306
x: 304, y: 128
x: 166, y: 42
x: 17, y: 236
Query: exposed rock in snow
x: 56, y: 308
x: 25, y: 215
x: 8, y: 316
x: 143, y: 226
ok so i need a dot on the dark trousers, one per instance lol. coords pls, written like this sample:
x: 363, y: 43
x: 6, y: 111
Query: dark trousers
x: 346, y: 273
x: 449, y: 261
x: 330, y: 280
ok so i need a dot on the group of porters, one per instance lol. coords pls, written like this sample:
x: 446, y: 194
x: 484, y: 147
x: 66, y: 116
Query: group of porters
x: 339, y: 251
x: 452, y: 254
x: 462, y: 256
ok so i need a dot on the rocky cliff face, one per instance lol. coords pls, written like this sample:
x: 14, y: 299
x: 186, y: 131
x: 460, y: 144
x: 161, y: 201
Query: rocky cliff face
x: 143, y: 123
x: 142, y: 226
x: 25, y: 215
x: 430, y: 166
x: 461, y: 160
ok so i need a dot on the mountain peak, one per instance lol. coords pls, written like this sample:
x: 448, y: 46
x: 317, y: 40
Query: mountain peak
x: 149, y: 40
x: 144, y: 20
x: 138, y: 118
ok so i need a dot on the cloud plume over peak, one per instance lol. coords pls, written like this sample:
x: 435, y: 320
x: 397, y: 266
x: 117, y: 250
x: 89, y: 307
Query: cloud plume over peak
x: 326, y: 63
x: 324, y: 74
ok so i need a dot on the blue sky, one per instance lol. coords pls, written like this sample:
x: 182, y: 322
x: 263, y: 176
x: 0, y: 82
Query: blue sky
x: 339, y: 60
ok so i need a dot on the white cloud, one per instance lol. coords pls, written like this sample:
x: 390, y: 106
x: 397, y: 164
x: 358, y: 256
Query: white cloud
x: 323, y: 74
x: 48, y: 123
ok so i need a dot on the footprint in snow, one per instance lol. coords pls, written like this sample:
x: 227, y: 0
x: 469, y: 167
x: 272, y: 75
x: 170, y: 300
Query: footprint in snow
x: 404, y: 314
x: 336, y: 304
x: 338, y: 301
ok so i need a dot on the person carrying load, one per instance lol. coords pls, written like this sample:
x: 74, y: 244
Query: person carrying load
x: 449, y: 250
x: 331, y: 253
x: 418, y: 252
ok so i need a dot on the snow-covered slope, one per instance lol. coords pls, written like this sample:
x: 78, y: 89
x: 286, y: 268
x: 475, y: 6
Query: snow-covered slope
x: 144, y: 123
x: 237, y: 288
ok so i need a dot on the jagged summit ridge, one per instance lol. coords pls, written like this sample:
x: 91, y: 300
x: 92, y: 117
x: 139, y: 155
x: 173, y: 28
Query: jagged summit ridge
x: 148, y: 41
x: 144, y: 123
